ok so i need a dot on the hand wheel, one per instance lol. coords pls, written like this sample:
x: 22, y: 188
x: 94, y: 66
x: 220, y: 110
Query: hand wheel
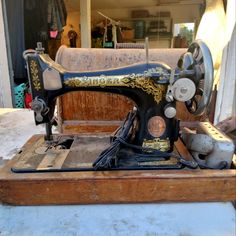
x: 199, y: 59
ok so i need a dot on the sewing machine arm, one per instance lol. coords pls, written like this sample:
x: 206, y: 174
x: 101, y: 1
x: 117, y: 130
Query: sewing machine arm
x: 143, y: 83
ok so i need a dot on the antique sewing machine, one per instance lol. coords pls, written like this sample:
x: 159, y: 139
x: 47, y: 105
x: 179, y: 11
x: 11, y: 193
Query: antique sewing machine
x: 146, y: 138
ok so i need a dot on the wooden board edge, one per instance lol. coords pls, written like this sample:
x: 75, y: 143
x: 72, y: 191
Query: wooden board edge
x: 115, y: 187
x: 117, y: 191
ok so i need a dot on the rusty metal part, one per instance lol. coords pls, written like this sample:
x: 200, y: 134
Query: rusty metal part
x: 201, y: 143
x: 210, y: 147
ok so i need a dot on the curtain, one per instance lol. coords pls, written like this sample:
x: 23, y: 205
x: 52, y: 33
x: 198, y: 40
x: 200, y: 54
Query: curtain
x: 226, y: 98
x: 41, y: 17
x: 212, y: 29
x: 36, y: 25
x: 218, y: 30
x: 15, y: 19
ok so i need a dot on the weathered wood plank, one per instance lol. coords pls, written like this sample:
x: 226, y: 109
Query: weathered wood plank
x: 85, y: 127
x: 115, y: 186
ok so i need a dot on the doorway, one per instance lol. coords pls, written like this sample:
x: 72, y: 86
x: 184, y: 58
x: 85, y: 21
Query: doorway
x: 183, y: 34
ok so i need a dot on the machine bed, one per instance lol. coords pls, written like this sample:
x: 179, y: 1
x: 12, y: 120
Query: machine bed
x: 94, y: 187
x: 78, y: 154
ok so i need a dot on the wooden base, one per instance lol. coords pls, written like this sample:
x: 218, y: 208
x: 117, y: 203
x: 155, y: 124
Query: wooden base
x: 89, y: 127
x: 115, y: 186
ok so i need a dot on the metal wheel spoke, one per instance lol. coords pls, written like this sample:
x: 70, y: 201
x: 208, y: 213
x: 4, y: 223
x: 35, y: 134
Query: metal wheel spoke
x: 204, y: 77
x: 195, y: 52
x: 200, y: 60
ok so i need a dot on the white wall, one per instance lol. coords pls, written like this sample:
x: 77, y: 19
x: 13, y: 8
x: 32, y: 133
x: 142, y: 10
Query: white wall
x: 5, y: 87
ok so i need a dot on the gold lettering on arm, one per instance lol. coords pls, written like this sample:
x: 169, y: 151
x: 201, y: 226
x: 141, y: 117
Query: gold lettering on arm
x: 133, y: 81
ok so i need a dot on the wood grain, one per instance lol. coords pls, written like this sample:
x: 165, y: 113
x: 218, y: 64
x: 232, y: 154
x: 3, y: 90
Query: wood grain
x: 115, y: 186
x: 76, y: 107
x: 85, y: 127
x: 86, y: 105
x: 91, y: 106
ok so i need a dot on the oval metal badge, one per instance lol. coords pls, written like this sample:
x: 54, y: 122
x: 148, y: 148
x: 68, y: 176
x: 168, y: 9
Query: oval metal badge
x: 156, y: 126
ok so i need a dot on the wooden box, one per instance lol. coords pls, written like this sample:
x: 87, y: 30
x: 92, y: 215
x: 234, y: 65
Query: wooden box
x: 98, y: 187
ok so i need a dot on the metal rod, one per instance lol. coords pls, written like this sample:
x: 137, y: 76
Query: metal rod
x: 147, y: 49
x: 48, y: 136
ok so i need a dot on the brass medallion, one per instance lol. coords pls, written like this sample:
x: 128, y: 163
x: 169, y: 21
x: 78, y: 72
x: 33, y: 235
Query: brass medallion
x: 156, y: 126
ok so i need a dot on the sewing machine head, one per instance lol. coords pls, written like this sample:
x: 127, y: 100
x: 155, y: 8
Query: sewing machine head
x: 154, y: 87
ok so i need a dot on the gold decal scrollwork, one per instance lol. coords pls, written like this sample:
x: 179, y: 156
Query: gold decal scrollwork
x: 146, y: 84
x: 158, y: 144
x: 35, y: 75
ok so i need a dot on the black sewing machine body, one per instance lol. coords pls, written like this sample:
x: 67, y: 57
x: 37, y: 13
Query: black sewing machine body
x: 150, y: 130
x: 143, y: 83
